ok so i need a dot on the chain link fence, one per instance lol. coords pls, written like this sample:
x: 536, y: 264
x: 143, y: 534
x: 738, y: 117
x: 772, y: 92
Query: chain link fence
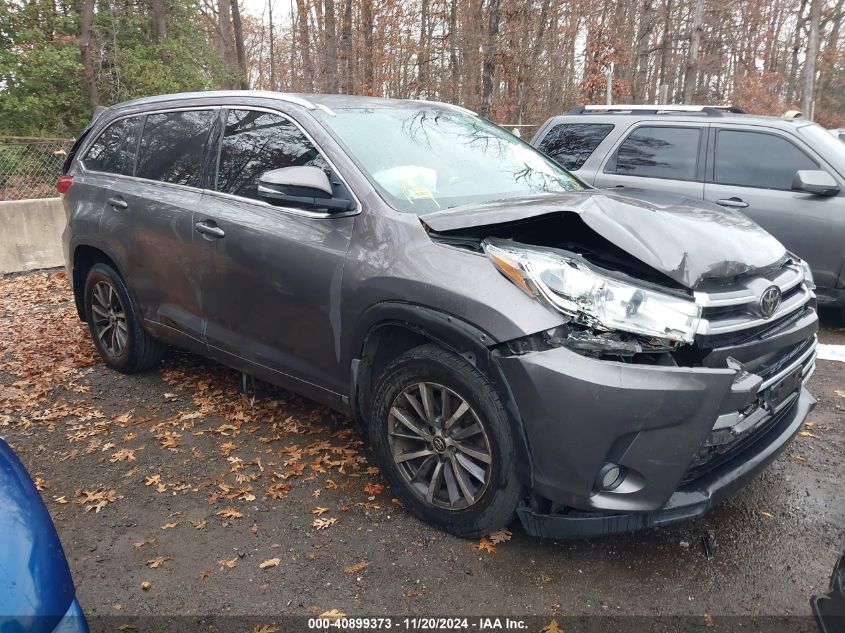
x: 30, y: 167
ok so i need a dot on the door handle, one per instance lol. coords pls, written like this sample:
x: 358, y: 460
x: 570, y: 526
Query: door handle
x: 118, y: 203
x: 732, y: 203
x: 209, y: 229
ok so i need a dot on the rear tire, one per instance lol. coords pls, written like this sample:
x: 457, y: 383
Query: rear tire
x: 444, y: 440
x: 115, y: 324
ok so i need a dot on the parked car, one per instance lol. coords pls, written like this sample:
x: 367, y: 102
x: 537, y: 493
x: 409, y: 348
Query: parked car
x: 788, y: 175
x: 36, y: 590
x: 509, y: 339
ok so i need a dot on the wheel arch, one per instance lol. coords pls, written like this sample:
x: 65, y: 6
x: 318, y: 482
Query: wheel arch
x: 83, y: 258
x: 389, y: 329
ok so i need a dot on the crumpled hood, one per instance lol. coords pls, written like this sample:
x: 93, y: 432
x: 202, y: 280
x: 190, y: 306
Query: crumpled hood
x: 687, y: 240
x: 35, y: 584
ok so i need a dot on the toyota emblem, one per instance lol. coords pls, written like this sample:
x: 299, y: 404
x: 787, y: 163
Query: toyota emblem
x: 770, y: 301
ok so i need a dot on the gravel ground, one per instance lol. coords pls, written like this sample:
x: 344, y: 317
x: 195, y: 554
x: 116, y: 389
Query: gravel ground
x: 176, y: 479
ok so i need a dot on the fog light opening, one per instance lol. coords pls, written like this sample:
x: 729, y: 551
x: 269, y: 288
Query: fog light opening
x: 610, y: 477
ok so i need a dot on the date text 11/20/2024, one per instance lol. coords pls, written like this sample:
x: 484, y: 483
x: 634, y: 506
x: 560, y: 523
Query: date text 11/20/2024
x: 417, y: 624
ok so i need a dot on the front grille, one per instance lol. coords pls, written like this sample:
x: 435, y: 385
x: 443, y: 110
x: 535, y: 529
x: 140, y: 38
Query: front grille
x: 735, y: 308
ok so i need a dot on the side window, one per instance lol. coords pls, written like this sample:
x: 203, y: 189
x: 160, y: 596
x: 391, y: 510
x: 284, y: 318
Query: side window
x: 114, y: 150
x: 571, y: 144
x: 658, y: 152
x: 255, y: 142
x: 173, y: 146
x: 754, y: 159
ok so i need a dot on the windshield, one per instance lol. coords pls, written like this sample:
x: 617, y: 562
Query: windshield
x: 425, y: 159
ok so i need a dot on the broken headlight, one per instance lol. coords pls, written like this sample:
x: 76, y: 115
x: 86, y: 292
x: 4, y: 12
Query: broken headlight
x: 591, y: 298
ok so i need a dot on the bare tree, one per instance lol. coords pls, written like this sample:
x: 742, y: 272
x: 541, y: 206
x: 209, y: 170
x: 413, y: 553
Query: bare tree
x: 690, y: 75
x: 489, y: 65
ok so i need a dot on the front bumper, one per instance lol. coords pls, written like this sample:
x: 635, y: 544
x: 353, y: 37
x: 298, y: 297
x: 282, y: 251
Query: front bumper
x: 660, y: 423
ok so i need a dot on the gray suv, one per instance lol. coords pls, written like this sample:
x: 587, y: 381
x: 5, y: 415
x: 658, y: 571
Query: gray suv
x: 510, y: 340
x: 788, y: 175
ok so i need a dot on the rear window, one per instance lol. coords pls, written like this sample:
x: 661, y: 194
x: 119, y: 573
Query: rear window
x: 755, y: 159
x: 571, y: 144
x: 114, y: 151
x: 658, y: 152
x: 173, y: 146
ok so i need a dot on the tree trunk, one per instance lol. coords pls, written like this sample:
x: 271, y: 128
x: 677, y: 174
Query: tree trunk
x: 224, y: 28
x: 423, y: 53
x: 331, y: 48
x: 305, y: 45
x: 367, y: 26
x: 691, y: 72
x: 158, y: 11
x: 273, y: 85
x: 810, y: 61
x: 346, y: 48
x: 488, y: 68
x: 243, y: 80
x: 454, y: 70
x: 86, y: 21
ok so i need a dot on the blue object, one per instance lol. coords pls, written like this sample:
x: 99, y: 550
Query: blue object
x: 36, y: 589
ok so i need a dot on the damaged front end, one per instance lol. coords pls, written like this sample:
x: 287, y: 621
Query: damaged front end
x: 663, y: 389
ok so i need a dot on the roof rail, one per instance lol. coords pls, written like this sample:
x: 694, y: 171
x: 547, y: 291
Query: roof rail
x: 709, y: 110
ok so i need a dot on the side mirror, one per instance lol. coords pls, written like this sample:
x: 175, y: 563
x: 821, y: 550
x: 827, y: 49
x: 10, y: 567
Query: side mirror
x: 815, y: 181
x: 306, y: 187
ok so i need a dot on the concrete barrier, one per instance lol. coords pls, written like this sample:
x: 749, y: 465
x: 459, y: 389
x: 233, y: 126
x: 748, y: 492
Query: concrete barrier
x: 31, y: 234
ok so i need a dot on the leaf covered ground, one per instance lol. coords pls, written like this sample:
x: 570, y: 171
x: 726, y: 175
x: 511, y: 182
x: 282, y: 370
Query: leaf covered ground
x: 174, y: 492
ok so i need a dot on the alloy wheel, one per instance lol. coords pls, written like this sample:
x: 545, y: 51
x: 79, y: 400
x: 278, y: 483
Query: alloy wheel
x: 439, y: 445
x: 109, y: 318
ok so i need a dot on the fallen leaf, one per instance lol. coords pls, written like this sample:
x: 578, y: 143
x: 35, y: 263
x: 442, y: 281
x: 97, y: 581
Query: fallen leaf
x: 839, y: 393
x: 768, y: 515
x: 61, y: 500
x: 354, y: 569
x: 486, y: 545
x: 230, y: 513
x: 708, y: 621
x: 322, y: 524
x: 318, y: 510
x: 169, y: 526
x: 227, y: 564
x: 807, y: 434
x: 373, y: 489
x: 333, y: 614
x: 152, y: 480
x: 552, y: 627
x: 123, y: 455
x: 205, y: 573
x: 270, y: 562
x: 155, y: 563
x: 264, y: 628
x: 500, y: 536
x: 146, y: 541
x: 199, y: 523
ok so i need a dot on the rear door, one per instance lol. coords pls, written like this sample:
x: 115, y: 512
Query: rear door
x: 271, y: 275
x: 752, y: 171
x: 150, y: 218
x: 666, y: 157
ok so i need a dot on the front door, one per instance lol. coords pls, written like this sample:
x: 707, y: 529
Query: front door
x: 752, y: 173
x: 272, y: 275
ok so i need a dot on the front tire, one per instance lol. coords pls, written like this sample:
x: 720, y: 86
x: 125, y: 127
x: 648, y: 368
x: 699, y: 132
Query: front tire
x: 443, y: 438
x: 115, y: 324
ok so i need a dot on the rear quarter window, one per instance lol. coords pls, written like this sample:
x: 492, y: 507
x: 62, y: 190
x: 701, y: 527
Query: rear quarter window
x: 114, y: 150
x: 658, y: 152
x: 571, y: 144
